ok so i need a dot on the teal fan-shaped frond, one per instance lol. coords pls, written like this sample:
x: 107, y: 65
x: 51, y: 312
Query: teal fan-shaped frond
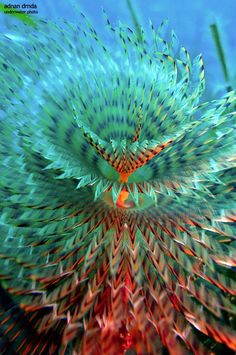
x: 117, y: 196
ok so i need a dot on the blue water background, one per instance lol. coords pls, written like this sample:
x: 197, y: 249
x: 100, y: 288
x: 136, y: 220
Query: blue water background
x: 189, y: 19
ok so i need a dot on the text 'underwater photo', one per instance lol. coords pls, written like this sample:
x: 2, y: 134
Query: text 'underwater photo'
x: 117, y: 177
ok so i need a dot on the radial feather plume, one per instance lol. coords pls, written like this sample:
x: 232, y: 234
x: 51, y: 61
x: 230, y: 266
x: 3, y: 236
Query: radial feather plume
x: 117, y: 196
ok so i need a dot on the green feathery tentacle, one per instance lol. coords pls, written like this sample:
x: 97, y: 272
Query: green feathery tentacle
x: 118, y: 195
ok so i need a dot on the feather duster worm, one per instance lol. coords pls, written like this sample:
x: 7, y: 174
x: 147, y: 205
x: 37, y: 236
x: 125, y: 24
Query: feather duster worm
x: 118, y: 196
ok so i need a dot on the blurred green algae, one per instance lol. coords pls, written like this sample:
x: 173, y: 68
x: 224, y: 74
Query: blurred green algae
x: 27, y: 19
x: 221, y: 53
x: 135, y: 21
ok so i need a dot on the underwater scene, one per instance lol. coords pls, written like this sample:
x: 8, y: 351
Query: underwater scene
x: 117, y: 177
